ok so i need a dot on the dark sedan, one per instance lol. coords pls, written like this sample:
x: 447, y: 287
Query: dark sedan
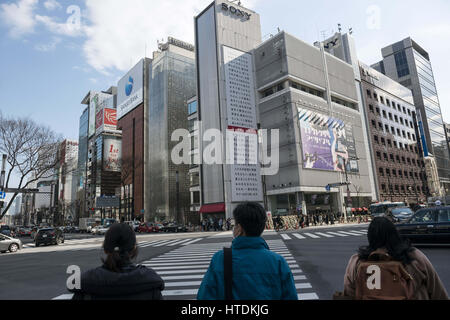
x: 399, y: 214
x: 427, y: 225
x: 49, y: 236
x: 174, y: 227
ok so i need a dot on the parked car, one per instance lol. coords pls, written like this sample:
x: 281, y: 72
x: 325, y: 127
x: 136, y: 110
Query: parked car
x: 145, y: 227
x: 6, y: 230
x: 9, y: 244
x: 23, y: 232
x: 427, y: 225
x: 174, y: 227
x: 399, y: 214
x: 134, y: 224
x: 49, y: 236
x: 101, y: 230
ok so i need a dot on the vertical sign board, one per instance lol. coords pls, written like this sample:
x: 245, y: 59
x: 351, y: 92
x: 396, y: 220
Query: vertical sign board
x: 96, y: 103
x: 112, y: 152
x: 246, y: 181
x: 130, y: 90
x: 106, y: 121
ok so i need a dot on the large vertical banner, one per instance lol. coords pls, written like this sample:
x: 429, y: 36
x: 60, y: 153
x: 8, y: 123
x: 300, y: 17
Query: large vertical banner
x: 242, y: 126
x: 97, y: 102
x: 112, y: 154
x: 327, y: 143
x: 130, y: 90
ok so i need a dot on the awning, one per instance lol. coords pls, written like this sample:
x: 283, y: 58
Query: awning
x: 212, y: 208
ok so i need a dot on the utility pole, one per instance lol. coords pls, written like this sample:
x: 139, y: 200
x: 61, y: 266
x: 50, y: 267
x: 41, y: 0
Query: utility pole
x: 2, y: 180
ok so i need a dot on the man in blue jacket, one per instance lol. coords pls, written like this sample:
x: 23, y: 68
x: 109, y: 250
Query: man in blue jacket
x: 258, y: 273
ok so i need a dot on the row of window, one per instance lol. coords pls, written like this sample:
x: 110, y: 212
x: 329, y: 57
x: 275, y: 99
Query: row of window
x: 399, y: 145
x: 398, y: 159
x: 389, y: 103
x: 401, y: 174
x: 402, y: 133
x: 391, y: 117
x: 404, y: 189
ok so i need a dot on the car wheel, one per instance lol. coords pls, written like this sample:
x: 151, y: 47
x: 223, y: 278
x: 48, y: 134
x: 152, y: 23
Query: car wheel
x: 3, y: 251
x: 13, y: 248
x: 58, y: 241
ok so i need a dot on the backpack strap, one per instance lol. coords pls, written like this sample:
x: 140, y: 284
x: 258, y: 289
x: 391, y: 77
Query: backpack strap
x: 228, y: 273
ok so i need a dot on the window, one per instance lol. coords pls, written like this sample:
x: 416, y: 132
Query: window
x: 398, y: 158
x: 398, y: 133
x: 402, y: 64
x: 381, y: 171
x: 382, y: 99
x: 389, y: 143
x: 369, y: 93
x: 409, y: 112
x: 408, y: 160
x: 378, y: 110
x: 375, y: 138
x: 385, y: 156
x: 383, y: 141
x: 401, y: 120
x: 378, y: 155
x: 400, y: 173
x: 404, y: 134
x: 196, y: 197
x: 380, y: 126
x: 409, y: 135
x: 404, y: 110
x: 386, y: 127
x: 393, y: 105
x: 423, y: 216
x: 404, y: 160
x: 391, y: 156
x: 374, y: 124
x: 375, y: 96
x: 390, y: 116
x: 371, y: 108
x: 388, y: 103
x: 192, y: 107
x: 388, y: 172
x: 384, y: 113
x: 395, y: 144
x: 443, y: 215
x: 394, y: 172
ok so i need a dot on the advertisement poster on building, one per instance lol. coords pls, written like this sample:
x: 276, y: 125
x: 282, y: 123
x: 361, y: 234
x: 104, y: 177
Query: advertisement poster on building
x: 130, y: 90
x: 112, y: 155
x: 327, y: 144
x: 106, y: 121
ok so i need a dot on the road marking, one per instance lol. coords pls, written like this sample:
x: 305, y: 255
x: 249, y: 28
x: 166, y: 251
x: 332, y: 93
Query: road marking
x: 187, y: 292
x: 311, y: 235
x: 338, y: 234
x: 67, y: 296
x: 285, y: 236
x: 350, y: 233
x: 299, y: 236
x: 191, y: 242
x: 182, y: 271
x: 299, y: 277
x: 295, y: 271
x: 194, y: 276
x: 180, y: 242
x: 303, y: 286
x: 324, y: 235
x: 173, y: 263
x: 359, y: 231
x: 166, y: 243
x: 182, y: 284
x: 308, y: 296
x: 157, y: 268
x: 178, y: 260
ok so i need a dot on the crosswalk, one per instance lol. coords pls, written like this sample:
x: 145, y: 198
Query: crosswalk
x: 70, y: 242
x: 168, y: 242
x: 324, y: 234
x: 183, y: 269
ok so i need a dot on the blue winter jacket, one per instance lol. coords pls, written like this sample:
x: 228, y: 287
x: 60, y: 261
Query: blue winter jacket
x: 258, y: 274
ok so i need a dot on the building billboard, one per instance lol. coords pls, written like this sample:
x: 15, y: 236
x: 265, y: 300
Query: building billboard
x: 327, y: 143
x: 112, y: 154
x: 96, y: 103
x: 106, y: 121
x: 130, y: 90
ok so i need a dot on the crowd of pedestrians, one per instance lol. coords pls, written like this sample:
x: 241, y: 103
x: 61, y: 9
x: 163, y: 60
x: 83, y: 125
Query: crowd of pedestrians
x: 216, y: 224
x: 249, y: 270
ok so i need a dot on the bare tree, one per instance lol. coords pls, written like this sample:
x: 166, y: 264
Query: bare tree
x: 32, y: 151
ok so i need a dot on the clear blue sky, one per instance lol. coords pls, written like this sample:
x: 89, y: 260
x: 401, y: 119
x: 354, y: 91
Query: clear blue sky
x: 47, y: 68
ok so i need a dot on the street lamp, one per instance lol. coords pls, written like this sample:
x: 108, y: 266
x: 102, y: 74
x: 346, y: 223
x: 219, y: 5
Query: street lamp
x: 349, y: 199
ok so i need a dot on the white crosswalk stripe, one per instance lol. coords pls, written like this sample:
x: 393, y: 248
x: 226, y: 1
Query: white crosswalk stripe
x: 321, y: 235
x: 183, y: 269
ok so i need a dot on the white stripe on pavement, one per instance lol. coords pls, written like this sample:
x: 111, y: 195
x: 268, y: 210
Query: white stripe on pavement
x: 285, y: 236
x: 177, y: 260
x: 180, y: 267
x: 191, y: 242
x: 182, y: 271
x: 350, y: 233
x: 324, y: 235
x: 179, y: 242
x: 173, y: 264
x: 338, y: 234
x: 182, y: 284
x: 299, y: 236
x: 308, y: 296
x: 180, y: 292
x: 64, y: 297
x: 311, y: 235
x: 194, y: 276
x: 303, y: 286
x: 166, y: 243
x: 299, y: 277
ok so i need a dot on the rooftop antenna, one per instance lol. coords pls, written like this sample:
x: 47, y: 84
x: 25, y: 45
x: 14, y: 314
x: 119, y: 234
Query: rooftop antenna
x: 339, y: 27
x: 350, y: 30
x: 278, y: 28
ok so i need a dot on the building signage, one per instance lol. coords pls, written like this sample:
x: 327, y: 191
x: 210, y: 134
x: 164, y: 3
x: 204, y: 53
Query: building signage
x: 237, y: 12
x: 106, y: 121
x: 96, y: 103
x: 130, y: 90
x: 181, y: 44
x: 112, y: 153
x: 242, y: 125
x: 327, y: 143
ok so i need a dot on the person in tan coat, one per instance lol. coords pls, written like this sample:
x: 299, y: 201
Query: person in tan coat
x: 384, y: 237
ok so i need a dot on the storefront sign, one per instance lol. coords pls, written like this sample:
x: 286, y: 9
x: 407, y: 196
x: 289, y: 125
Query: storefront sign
x: 235, y: 11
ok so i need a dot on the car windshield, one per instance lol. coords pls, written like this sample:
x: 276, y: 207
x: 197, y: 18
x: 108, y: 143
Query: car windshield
x: 402, y: 212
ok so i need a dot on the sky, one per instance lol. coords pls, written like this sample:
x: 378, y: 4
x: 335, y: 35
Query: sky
x: 54, y: 52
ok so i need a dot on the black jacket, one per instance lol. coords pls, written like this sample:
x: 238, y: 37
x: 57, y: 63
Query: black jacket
x: 135, y: 282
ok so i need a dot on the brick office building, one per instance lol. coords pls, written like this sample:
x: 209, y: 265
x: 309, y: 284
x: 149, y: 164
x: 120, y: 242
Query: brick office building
x: 394, y: 133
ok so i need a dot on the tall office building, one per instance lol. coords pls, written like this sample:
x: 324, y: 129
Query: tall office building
x: 395, y: 138
x: 82, y: 162
x: 225, y: 34
x: 172, y: 82
x: 410, y: 65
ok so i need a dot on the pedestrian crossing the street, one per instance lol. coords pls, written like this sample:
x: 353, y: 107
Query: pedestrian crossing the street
x: 183, y: 269
x: 321, y: 235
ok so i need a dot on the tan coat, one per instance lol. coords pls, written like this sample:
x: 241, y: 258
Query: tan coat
x: 427, y: 284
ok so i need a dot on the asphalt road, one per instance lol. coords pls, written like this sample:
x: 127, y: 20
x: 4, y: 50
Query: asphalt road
x: 318, y: 258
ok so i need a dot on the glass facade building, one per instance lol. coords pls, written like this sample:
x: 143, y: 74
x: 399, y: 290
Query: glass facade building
x: 409, y: 64
x: 172, y: 82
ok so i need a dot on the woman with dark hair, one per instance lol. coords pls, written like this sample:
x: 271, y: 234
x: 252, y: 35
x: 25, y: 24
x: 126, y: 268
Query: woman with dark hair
x: 385, y: 240
x: 118, y: 277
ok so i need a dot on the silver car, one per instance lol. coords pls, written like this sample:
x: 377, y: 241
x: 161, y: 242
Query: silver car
x: 9, y: 244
